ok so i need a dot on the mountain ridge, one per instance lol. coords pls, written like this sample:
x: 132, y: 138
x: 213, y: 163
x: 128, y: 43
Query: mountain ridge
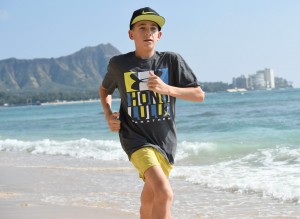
x: 81, y: 70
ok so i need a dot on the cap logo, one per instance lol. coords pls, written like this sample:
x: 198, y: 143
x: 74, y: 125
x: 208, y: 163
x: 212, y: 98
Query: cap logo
x: 146, y: 14
x: 150, y: 12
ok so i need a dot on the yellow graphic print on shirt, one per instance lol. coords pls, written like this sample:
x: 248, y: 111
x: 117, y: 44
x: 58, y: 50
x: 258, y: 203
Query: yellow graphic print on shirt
x: 143, y: 104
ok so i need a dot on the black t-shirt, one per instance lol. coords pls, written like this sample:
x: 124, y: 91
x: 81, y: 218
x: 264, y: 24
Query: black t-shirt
x: 147, y: 118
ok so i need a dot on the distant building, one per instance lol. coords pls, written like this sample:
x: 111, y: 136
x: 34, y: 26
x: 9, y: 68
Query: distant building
x: 263, y: 79
x: 259, y: 80
x: 269, y: 78
x: 240, y: 82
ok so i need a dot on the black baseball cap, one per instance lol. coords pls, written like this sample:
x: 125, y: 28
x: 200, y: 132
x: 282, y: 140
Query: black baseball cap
x: 148, y: 14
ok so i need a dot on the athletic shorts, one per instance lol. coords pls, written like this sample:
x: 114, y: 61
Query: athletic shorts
x: 147, y: 157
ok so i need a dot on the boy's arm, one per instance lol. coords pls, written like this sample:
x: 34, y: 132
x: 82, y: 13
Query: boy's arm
x: 187, y: 93
x: 111, y: 118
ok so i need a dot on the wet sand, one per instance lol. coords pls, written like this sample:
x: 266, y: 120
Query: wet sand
x: 58, y: 187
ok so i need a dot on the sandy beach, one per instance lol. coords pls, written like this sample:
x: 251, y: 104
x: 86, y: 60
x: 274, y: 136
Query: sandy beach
x: 40, y: 186
x: 35, y: 187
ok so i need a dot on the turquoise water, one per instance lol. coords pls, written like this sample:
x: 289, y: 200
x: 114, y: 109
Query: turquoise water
x: 241, y: 142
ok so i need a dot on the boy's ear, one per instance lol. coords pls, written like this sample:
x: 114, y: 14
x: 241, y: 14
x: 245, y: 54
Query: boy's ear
x: 159, y: 35
x: 130, y: 34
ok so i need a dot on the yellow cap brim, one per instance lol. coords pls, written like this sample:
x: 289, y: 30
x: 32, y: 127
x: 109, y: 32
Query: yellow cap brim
x: 155, y: 18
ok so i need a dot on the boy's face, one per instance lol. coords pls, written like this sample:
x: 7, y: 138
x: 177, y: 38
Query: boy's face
x: 145, y: 34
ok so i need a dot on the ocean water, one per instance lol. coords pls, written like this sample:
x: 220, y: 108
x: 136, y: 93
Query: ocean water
x: 239, y: 143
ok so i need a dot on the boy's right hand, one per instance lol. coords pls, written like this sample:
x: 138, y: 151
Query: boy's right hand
x: 113, y: 122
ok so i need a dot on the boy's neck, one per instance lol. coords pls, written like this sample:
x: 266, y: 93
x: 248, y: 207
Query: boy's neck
x: 144, y: 54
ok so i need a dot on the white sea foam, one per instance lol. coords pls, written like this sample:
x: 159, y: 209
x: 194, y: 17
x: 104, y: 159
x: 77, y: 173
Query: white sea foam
x: 83, y: 148
x: 186, y: 149
x: 97, y: 149
x: 267, y: 173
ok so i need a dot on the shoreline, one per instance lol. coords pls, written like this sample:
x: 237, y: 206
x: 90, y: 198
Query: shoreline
x: 77, y: 101
x: 64, y: 102
x: 44, y: 186
x: 70, y: 102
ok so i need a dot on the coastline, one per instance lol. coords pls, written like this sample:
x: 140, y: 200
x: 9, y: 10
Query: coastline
x: 76, y: 101
x: 70, y: 102
x: 63, y: 102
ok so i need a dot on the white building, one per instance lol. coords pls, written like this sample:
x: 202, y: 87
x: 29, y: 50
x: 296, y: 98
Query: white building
x: 260, y: 81
x: 265, y: 78
x: 270, y: 78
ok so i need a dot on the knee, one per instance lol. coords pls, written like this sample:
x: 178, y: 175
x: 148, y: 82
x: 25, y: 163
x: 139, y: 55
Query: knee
x: 165, y: 195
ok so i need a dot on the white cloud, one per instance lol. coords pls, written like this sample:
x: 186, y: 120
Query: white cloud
x: 3, y: 14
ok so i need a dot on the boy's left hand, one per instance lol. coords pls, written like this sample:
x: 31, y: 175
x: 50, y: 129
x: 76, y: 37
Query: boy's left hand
x: 156, y: 84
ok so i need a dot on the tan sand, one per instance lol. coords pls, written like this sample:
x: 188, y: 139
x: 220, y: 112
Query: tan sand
x: 37, y: 187
x: 42, y: 211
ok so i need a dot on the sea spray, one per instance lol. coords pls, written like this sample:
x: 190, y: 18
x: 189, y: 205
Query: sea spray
x: 82, y: 148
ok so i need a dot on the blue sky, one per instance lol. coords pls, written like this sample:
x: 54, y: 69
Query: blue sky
x: 219, y: 39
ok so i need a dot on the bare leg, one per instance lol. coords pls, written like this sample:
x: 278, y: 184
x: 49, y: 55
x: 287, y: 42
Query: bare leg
x: 147, y: 199
x: 162, y: 193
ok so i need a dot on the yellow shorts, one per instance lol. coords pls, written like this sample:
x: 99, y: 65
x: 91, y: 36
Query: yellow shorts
x: 147, y: 157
